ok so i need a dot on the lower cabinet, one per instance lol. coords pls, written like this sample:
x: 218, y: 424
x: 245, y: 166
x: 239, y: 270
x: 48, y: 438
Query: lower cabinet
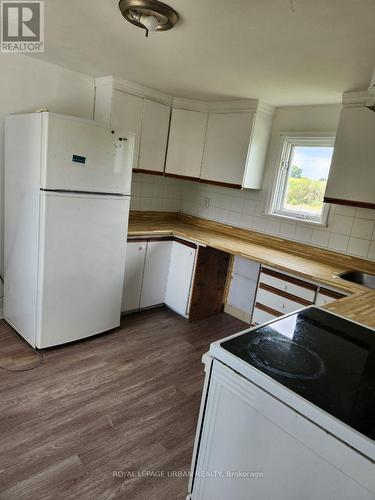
x: 134, y: 266
x: 180, y: 276
x: 243, y: 288
x: 280, y: 294
x: 325, y: 296
x: 155, y: 275
x: 192, y: 282
x: 158, y: 271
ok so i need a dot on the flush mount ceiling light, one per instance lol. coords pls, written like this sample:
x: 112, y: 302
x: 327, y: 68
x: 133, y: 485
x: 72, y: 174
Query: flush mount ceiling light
x: 149, y: 15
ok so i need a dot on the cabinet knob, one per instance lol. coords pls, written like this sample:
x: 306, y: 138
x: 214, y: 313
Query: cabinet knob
x: 285, y: 287
x: 282, y: 306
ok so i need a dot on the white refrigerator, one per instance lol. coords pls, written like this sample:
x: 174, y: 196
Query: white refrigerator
x: 67, y: 196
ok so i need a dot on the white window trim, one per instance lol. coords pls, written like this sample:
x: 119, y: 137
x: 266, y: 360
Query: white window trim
x: 287, y: 141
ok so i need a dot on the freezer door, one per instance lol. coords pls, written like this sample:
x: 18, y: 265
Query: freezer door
x: 82, y: 263
x: 84, y: 155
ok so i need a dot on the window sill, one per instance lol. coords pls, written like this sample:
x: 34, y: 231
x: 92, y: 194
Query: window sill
x: 285, y: 218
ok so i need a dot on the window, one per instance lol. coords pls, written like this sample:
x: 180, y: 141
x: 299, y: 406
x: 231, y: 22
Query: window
x: 302, y: 177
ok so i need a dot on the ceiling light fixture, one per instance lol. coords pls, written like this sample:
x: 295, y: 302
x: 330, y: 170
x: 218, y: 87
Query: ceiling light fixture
x: 150, y: 15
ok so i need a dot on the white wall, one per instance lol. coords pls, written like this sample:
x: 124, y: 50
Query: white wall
x: 349, y: 230
x: 27, y: 84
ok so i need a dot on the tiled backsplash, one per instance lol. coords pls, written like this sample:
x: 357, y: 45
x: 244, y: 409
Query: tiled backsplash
x: 350, y: 230
x: 154, y: 192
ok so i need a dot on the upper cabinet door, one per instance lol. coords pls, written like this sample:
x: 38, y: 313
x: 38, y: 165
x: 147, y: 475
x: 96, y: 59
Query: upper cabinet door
x: 154, y: 136
x: 126, y: 116
x: 227, y: 144
x: 186, y: 143
x: 352, y: 176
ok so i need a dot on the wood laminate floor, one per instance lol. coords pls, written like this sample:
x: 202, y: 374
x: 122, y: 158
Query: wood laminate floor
x: 123, y: 402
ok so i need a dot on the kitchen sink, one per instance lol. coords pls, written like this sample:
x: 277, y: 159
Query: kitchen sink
x: 360, y: 278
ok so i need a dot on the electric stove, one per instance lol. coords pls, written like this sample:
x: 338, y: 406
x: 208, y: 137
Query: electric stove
x: 318, y: 363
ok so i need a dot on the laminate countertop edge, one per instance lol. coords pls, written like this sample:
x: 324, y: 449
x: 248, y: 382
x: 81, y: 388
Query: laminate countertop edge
x: 359, y: 306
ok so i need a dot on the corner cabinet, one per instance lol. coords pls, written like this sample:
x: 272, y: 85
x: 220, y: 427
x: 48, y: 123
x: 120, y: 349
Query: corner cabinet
x: 352, y: 176
x: 186, y: 143
x: 180, y: 277
x: 158, y: 271
x: 236, y: 148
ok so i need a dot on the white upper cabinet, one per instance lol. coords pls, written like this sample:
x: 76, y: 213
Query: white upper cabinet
x: 122, y: 111
x: 154, y: 136
x: 258, y: 148
x: 186, y: 142
x: 236, y: 148
x: 126, y: 108
x: 352, y: 175
x: 227, y: 144
x: 222, y: 143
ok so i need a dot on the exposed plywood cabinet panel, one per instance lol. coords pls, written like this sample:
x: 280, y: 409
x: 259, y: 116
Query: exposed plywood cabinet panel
x: 209, y: 283
x: 226, y: 147
x: 134, y: 266
x: 155, y: 274
x: 186, y: 142
x: 352, y: 176
x: 154, y: 136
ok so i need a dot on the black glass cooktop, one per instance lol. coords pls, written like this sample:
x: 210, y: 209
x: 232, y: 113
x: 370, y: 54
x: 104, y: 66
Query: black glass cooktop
x: 325, y: 359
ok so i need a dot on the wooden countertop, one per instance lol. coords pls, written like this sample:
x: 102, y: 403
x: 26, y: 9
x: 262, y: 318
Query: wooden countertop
x: 311, y: 263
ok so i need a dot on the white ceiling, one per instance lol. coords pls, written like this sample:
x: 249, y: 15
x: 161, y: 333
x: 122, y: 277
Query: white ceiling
x: 283, y: 51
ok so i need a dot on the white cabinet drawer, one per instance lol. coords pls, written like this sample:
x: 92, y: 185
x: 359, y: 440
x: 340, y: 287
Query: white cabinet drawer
x: 260, y: 316
x: 325, y: 296
x: 277, y: 302
x: 288, y: 284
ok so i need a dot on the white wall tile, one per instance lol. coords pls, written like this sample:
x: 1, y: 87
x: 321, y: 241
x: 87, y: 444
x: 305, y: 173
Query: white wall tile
x: 365, y: 213
x: 287, y: 230
x: 341, y: 224
x: 246, y: 221
x: 303, y: 234
x: 338, y: 242
x: 320, y: 238
x: 249, y: 207
x: 237, y: 204
x: 362, y: 228
x: 371, y: 251
x: 273, y: 226
x: 358, y: 247
x: 345, y: 210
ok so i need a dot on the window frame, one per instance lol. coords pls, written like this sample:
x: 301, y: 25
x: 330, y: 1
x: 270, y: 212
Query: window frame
x: 287, y: 142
